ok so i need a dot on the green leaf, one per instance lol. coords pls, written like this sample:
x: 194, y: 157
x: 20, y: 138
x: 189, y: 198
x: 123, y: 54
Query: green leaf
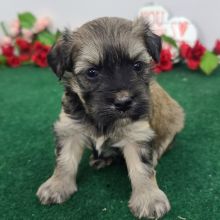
x: 2, y: 59
x: 57, y: 34
x: 169, y: 40
x: 27, y: 20
x: 209, y: 62
x: 46, y: 37
x: 4, y: 29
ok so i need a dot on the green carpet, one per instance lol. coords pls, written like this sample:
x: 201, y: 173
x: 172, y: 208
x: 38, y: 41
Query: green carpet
x: 189, y: 173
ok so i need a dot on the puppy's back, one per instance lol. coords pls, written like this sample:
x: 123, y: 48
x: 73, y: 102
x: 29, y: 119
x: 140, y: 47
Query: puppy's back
x: 166, y: 117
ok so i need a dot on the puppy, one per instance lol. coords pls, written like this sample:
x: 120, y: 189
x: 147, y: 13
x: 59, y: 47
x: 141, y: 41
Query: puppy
x: 112, y: 105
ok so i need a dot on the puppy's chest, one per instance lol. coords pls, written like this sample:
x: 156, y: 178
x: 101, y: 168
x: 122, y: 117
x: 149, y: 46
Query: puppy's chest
x: 103, y: 144
x: 130, y: 134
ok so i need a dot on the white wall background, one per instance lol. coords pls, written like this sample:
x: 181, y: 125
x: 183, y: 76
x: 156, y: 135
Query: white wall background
x: 72, y: 13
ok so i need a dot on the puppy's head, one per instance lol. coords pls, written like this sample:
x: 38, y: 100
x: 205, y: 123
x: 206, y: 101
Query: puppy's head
x: 107, y: 62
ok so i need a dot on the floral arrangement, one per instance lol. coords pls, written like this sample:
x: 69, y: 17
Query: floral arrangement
x: 196, y: 57
x: 28, y: 40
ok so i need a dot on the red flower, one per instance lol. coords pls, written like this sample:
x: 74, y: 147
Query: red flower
x: 193, y: 64
x: 192, y: 55
x: 23, y: 45
x: 198, y: 51
x: 7, y: 50
x: 38, y: 46
x: 185, y: 50
x: 217, y: 47
x: 39, y: 56
x: 24, y: 57
x: 165, y: 63
x: 40, y: 59
x: 157, y: 69
x: 13, y: 61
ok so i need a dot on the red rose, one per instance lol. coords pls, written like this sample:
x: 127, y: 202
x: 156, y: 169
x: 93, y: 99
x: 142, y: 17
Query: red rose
x: 192, y: 55
x: 24, y: 57
x: 40, y: 59
x: 23, y: 45
x: 165, y: 63
x: 166, y: 60
x: 13, y: 61
x: 38, y: 46
x: 185, y: 50
x: 39, y: 56
x: 195, y: 52
x: 7, y: 50
x: 193, y: 64
x: 157, y: 69
x: 198, y: 51
x: 217, y: 47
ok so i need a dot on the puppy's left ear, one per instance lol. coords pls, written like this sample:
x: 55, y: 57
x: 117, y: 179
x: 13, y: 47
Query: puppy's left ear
x: 60, y: 57
x: 152, y: 41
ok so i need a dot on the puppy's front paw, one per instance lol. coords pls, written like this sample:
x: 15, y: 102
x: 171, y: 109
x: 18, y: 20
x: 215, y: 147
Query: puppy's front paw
x: 150, y: 204
x: 55, y: 191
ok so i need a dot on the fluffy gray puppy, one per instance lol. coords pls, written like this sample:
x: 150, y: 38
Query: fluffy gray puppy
x: 112, y: 105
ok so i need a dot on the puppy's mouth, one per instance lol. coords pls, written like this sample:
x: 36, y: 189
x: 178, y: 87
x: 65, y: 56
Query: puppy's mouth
x: 108, y: 114
x: 132, y: 111
x: 123, y: 110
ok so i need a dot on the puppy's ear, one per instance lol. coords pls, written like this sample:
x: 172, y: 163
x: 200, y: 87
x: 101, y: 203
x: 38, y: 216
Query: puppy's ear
x: 60, y: 57
x: 152, y: 41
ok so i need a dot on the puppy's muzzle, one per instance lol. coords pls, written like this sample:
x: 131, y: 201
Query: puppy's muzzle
x: 123, y: 101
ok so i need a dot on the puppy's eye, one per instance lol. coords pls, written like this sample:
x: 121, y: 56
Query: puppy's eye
x: 92, y: 73
x: 138, y: 66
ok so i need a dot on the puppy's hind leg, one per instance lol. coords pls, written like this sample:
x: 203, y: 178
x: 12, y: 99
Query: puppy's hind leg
x: 160, y: 146
x: 62, y: 184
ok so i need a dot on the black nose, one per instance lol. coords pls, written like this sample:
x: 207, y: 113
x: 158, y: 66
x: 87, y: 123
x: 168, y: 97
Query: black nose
x: 123, y: 104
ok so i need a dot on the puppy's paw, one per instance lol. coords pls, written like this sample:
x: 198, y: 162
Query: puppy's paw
x: 100, y: 162
x: 150, y: 204
x: 55, y: 191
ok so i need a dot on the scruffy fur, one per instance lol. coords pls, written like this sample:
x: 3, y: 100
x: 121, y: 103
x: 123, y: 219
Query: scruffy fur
x: 112, y: 105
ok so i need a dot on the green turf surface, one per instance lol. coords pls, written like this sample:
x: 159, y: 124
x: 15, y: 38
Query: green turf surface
x: 189, y: 173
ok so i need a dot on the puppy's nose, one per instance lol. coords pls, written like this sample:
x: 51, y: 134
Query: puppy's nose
x: 123, y: 101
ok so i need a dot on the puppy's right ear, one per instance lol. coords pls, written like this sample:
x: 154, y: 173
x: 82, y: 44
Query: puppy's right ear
x: 60, y: 57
